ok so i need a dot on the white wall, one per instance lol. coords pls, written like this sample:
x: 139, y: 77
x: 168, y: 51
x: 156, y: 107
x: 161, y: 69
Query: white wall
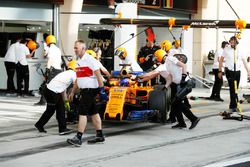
x: 208, y: 39
x: 69, y: 25
x: 123, y: 33
x: 25, y: 11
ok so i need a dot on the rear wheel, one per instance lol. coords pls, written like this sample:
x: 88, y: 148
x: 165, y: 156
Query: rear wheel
x: 159, y: 100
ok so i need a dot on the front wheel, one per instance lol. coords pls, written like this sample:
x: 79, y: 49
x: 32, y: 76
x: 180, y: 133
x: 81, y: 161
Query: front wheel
x: 159, y: 100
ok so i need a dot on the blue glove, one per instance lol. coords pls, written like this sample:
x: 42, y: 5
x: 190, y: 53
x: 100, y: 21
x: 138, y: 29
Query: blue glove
x: 103, y: 95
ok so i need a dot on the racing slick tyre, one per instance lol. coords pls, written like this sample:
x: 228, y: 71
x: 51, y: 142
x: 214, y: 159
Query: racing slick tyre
x: 159, y: 100
x: 159, y: 87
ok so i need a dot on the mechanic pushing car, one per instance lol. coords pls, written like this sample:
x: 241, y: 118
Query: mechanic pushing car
x: 177, y: 71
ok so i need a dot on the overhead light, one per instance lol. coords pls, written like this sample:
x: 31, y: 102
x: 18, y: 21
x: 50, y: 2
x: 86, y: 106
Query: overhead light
x: 33, y: 28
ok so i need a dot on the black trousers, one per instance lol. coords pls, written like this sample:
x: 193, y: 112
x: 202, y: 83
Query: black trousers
x: 54, y: 103
x: 231, y: 77
x: 10, y: 69
x: 172, y: 116
x: 217, y: 84
x: 22, y: 75
x: 53, y: 72
x: 178, y: 107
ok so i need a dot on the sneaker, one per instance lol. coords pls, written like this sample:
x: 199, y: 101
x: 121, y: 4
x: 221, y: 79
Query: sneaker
x: 40, y: 103
x: 179, y: 126
x: 211, y: 98
x: 234, y: 110
x: 111, y: 7
x: 75, y: 141
x: 71, y: 122
x: 218, y: 99
x: 193, y: 124
x: 26, y: 96
x: 11, y: 94
x: 96, y: 140
x: 40, y: 129
x: 65, y: 131
x: 170, y: 121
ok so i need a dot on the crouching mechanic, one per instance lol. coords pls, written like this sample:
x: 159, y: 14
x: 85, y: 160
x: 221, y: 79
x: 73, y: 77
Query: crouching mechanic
x: 174, y: 71
x: 53, y: 93
x: 90, y: 83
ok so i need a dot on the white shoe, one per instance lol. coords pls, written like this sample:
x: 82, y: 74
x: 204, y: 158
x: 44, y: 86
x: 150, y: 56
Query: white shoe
x: 10, y: 94
x: 111, y: 7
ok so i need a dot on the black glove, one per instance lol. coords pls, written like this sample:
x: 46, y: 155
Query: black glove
x: 47, y: 71
x: 164, y: 88
x: 183, y: 78
x: 47, y: 74
x: 137, y: 79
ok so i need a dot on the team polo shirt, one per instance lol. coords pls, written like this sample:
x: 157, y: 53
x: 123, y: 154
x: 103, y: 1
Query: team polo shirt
x: 54, y: 55
x: 100, y: 64
x: 179, y: 50
x: 21, y: 52
x: 217, y: 56
x: 85, y: 72
x: 62, y: 81
x: 228, y: 55
x: 173, y: 69
x: 100, y: 67
x: 162, y: 69
x: 172, y: 52
x: 10, y: 56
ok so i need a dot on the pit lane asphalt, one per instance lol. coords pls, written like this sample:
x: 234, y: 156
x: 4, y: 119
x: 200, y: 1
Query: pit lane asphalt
x: 23, y: 130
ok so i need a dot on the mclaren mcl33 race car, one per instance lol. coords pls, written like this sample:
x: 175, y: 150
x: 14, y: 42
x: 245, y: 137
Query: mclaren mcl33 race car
x: 131, y: 100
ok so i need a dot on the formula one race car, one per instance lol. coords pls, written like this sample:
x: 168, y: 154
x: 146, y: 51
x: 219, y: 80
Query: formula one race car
x: 130, y: 100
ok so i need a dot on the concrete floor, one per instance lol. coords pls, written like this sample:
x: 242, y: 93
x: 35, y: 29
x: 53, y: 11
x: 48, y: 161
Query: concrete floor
x: 214, y: 142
